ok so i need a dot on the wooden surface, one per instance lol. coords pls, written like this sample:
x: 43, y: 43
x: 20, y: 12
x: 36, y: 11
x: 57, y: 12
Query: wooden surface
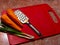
x: 4, y: 4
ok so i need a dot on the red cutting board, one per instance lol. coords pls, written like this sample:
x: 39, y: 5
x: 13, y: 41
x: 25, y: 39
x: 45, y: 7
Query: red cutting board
x: 39, y: 17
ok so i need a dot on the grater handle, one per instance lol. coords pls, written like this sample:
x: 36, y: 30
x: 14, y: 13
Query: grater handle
x: 37, y: 32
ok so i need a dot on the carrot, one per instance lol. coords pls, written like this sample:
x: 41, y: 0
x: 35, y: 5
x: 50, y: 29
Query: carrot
x: 13, y: 17
x: 9, y: 22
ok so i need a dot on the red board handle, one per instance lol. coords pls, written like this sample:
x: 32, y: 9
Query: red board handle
x: 54, y: 15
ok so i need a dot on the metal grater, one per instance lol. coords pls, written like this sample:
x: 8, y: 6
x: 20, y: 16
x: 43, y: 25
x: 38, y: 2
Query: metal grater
x: 21, y: 16
x: 24, y: 19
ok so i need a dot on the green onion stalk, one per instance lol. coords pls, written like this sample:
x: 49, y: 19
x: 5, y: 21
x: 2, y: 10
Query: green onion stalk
x: 15, y: 32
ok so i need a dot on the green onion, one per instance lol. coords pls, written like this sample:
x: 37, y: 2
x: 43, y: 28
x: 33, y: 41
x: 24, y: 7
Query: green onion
x: 15, y: 32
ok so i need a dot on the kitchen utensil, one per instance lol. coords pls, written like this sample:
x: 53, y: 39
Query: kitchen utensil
x: 24, y: 19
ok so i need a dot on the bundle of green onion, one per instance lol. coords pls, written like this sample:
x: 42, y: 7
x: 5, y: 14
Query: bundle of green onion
x: 15, y: 32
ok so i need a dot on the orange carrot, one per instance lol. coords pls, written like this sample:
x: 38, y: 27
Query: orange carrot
x: 9, y: 22
x: 13, y: 17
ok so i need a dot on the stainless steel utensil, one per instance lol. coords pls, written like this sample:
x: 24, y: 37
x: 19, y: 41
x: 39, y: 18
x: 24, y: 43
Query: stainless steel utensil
x: 24, y: 19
